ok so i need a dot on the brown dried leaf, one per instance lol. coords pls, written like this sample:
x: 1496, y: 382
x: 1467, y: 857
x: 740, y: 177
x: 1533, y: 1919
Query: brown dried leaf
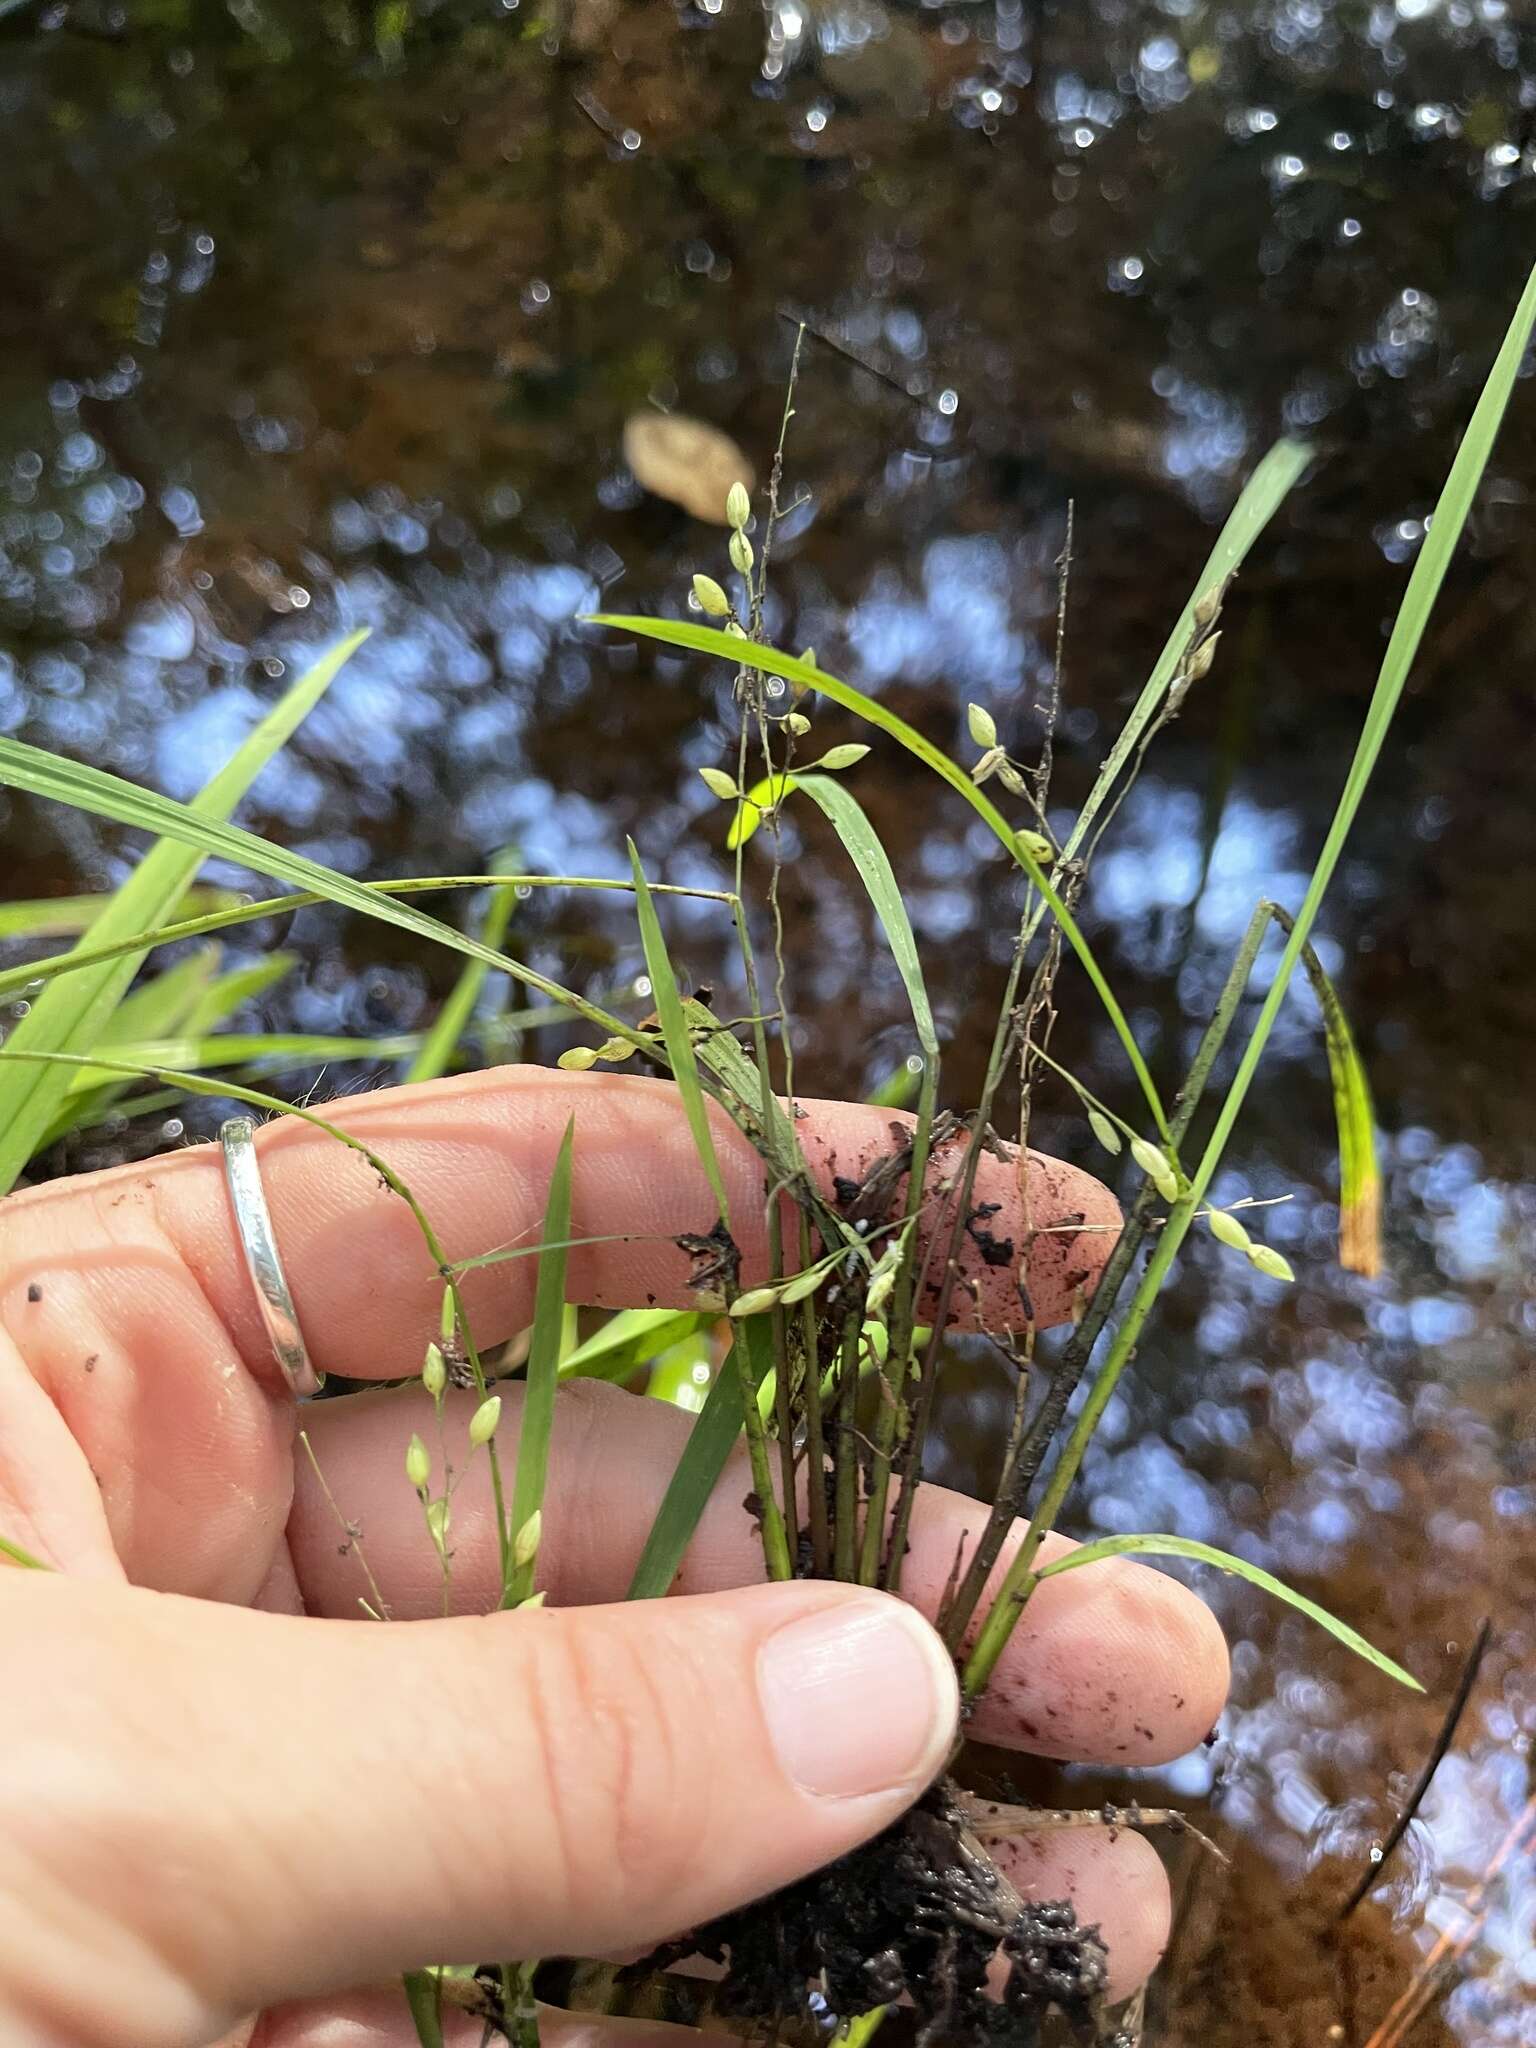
x: 685, y: 461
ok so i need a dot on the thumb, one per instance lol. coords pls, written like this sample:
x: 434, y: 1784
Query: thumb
x: 205, y: 1810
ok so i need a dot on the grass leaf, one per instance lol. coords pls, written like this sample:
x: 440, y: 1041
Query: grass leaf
x: 274, y: 1049
x: 1434, y: 558
x: 1355, y: 1117
x: 1413, y: 613
x: 863, y: 848
x: 768, y: 660
x: 627, y: 1340
x: 697, y: 1471
x: 152, y: 1012
x: 1239, y: 1567
x: 24, y: 1558
x: 30, y: 973
x: 108, y: 796
x: 442, y: 1041
x: 899, y: 1088
x: 1258, y: 502
x: 231, y: 990
x: 423, y: 1995
x: 675, y: 1033
x: 56, y: 917
x: 543, y: 1375
x: 72, y: 1013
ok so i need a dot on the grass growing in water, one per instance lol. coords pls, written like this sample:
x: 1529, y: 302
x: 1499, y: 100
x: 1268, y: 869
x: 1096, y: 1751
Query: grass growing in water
x: 840, y: 1310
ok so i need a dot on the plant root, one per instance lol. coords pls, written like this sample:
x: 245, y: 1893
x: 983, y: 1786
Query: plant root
x: 920, y: 1914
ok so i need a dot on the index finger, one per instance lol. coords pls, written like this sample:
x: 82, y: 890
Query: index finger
x: 127, y: 1297
x: 477, y: 1154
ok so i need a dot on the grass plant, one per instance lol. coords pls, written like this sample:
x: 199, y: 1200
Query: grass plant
x: 864, y: 1280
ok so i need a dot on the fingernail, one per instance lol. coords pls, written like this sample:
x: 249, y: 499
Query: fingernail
x: 859, y: 1697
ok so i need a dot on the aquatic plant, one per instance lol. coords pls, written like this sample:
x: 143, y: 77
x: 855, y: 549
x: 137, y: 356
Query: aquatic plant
x: 834, y: 1358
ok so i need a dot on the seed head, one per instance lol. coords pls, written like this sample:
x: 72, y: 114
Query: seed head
x: 1103, y: 1130
x: 1226, y: 1229
x: 418, y: 1464
x: 1208, y: 606
x: 525, y: 1545
x: 710, y: 597
x: 1198, y: 665
x: 841, y: 757
x: 981, y: 725
x: 482, y: 1424
x: 1155, y: 1163
x: 754, y: 1301
x: 1269, y: 1261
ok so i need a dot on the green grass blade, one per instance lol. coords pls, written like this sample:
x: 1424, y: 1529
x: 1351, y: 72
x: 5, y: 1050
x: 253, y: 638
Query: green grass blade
x: 1355, y: 1118
x: 29, y: 973
x: 71, y: 1014
x: 675, y: 1034
x: 89, y: 1116
x: 442, y: 1041
x: 108, y: 796
x: 898, y: 1090
x: 423, y: 1995
x: 1434, y: 558
x: 543, y: 1374
x: 1408, y: 630
x: 149, y: 1013
x: 160, y: 1007
x: 678, y: 1373
x: 628, y: 1340
x: 705, y: 640
x: 677, y: 1038
x: 24, y: 1558
x: 1258, y: 502
x: 698, y: 1470
x: 1355, y: 1114
x: 273, y: 1049
x: 230, y: 991
x: 1239, y: 1567
x: 60, y: 917
x: 863, y: 848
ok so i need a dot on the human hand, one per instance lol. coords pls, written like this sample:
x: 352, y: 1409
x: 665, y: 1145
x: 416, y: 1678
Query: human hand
x: 220, y: 1796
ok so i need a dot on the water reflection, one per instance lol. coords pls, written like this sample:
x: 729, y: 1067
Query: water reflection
x: 308, y: 331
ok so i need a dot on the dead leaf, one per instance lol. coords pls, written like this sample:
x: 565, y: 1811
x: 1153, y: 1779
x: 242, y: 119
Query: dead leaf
x: 685, y: 461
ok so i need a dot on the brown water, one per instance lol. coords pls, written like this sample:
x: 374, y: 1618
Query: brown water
x: 306, y: 327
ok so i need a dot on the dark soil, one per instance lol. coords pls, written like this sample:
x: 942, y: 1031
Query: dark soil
x: 921, y: 1915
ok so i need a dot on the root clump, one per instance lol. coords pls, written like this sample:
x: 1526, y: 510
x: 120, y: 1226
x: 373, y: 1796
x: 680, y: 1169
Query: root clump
x: 919, y: 1914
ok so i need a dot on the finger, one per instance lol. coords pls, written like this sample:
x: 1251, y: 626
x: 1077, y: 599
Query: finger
x: 477, y: 1153
x: 1115, y: 1663
x: 1115, y: 1881
x: 380, y: 2019
x: 281, y: 1807
x: 127, y: 1296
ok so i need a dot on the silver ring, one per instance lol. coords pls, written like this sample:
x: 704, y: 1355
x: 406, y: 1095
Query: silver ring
x: 253, y: 1227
